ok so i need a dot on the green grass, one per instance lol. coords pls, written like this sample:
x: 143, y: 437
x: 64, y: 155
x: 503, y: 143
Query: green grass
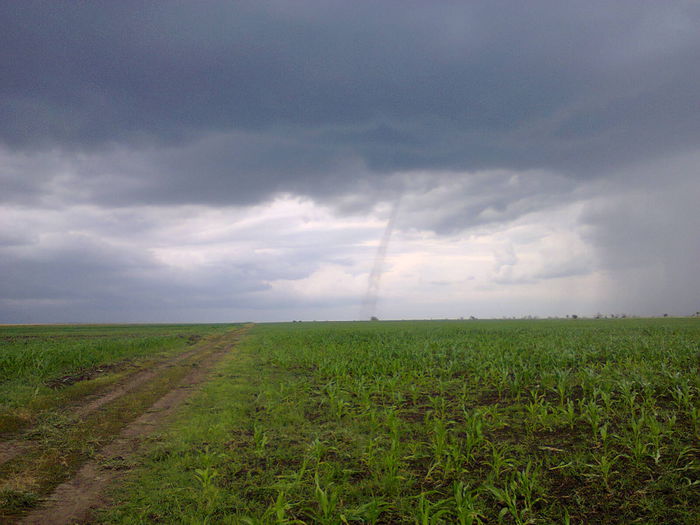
x: 45, y: 366
x: 437, y: 422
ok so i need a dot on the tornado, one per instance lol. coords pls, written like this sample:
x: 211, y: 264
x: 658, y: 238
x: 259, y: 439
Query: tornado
x: 369, y: 304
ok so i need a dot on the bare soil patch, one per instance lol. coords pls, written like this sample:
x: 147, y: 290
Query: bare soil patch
x: 87, y: 374
x: 12, y: 449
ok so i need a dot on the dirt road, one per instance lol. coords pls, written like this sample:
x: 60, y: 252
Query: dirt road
x: 74, y: 500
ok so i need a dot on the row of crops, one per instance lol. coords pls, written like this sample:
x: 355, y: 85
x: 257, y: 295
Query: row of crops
x: 455, y: 422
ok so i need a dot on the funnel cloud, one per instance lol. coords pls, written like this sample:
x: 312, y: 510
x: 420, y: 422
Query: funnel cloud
x: 369, y: 305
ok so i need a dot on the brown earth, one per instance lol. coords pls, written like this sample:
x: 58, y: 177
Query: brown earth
x: 12, y: 449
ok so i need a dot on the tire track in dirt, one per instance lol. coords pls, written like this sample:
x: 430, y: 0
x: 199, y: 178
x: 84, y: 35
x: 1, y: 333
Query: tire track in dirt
x: 76, y: 500
x: 10, y: 449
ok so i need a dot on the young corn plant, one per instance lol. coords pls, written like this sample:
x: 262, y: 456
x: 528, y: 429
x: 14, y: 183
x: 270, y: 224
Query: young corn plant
x: 592, y: 413
x: 455, y: 460
x: 473, y: 433
x: 209, y: 492
x: 537, y: 411
x: 568, y: 413
x: 519, y: 495
x: 604, y: 395
x: 637, y: 440
x: 682, y: 396
x: 439, y: 436
x: 336, y: 404
x: 628, y: 397
x: 503, y: 380
x: 439, y: 445
x: 464, y: 504
x: 260, y: 440
x: 438, y: 407
x: 516, y: 384
x: 527, y: 482
x: 384, y: 463
x: 602, y: 468
x: 562, y: 384
x: 656, y: 432
x: 507, y: 497
x: 326, y: 511
x: 390, y: 466
x: 370, y: 512
x: 429, y: 513
x: 499, y: 461
x: 278, y: 511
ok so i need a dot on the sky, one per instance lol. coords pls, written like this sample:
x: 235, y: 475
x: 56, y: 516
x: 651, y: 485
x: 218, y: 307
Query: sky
x: 332, y: 160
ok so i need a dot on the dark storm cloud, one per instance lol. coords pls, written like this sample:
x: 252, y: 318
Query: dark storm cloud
x: 445, y: 203
x: 116, y: 116
x: 232, y: 102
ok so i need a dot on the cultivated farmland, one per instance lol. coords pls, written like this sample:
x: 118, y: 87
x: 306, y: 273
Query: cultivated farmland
x: 378, y: 422
x: 436, y: 422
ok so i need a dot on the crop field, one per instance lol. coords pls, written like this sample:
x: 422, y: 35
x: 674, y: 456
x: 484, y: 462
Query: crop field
x: 434, y: 422
x: 580, y: 421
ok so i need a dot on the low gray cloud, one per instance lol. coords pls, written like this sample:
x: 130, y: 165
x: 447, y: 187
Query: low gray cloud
x: 81, y: 279
x: 86, y: 263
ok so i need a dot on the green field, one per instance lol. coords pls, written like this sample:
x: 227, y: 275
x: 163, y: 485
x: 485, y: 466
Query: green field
x: 436, y: 422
